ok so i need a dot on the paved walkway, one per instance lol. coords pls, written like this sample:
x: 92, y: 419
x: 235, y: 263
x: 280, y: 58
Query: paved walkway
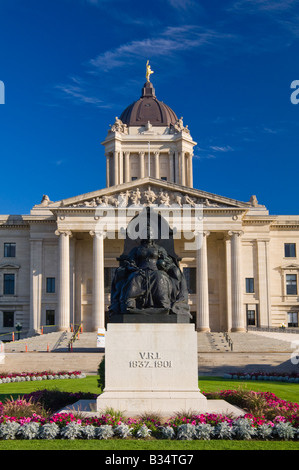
x: 251, y: 352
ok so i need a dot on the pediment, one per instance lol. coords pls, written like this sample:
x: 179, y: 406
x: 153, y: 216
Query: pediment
x: 9, y: 266
x: 289, y: 266
x: 145, y: 192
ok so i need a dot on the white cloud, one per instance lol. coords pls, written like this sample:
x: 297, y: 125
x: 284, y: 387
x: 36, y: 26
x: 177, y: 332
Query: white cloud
x: 225, y: 148
x: 254, y: 6
x: 76, y: 92
x: 167, y: 44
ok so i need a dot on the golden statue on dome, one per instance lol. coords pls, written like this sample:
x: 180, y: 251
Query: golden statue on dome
x: 149, y: 71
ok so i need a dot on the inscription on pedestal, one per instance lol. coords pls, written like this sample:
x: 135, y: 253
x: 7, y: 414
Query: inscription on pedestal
x: 150, y: 360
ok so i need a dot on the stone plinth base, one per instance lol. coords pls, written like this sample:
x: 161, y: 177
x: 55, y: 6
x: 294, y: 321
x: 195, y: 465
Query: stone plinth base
x: 151, y: 368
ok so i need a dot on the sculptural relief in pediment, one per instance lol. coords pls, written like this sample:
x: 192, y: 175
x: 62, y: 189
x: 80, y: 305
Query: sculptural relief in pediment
x: 148, y: 196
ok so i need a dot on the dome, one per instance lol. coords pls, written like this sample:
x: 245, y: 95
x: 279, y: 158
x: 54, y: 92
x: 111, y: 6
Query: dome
x: 148, y: 109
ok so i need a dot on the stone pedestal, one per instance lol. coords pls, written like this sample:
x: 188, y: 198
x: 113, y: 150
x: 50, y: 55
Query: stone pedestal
x: 151, y: 368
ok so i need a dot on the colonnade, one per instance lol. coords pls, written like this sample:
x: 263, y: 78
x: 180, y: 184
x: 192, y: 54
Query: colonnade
x: 236, y: 318
x: 180, y: 167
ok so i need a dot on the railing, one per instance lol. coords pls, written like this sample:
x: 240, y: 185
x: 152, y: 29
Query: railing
x: 76, y: 334
x: 229, y: 340
x: 17, y: 334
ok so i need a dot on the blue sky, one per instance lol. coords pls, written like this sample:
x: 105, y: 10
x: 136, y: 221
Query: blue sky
x: 70, y: 66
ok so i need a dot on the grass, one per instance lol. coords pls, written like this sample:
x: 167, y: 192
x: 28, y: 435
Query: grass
x: 165, y: 445
x: 283, y: 390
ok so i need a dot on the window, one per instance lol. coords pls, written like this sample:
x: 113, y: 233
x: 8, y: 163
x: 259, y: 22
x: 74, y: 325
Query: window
x: 190, y: 276
x: 9, y: 284
x: 249, y: 285
x: 291, y: 284
x: 108, y: 276
x: 50, y: 317
x: 290, y: 250
x: 293, y: 319
x: 9, y: 250
x: 50, y: 285
x: 250, y: 317
x: 8, y: 319
x: 164, y: 178
x: 134, y: 178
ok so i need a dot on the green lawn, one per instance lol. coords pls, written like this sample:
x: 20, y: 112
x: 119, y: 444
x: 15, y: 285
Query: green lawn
x: 165, y: 445
x: 283, y: 390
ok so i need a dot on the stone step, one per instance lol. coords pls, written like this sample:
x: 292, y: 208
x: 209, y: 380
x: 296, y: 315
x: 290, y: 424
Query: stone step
x: 49, y: 341
x: 207, y: 342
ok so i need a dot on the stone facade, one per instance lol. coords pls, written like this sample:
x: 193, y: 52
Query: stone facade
x: 57, y: 262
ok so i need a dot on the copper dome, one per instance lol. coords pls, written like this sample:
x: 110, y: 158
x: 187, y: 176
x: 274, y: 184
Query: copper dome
x: 148, y: 109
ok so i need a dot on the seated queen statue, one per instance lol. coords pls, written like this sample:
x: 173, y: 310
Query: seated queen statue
x: 149, y: 282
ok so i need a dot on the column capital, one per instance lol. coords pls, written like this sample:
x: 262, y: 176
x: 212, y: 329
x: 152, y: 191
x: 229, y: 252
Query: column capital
x: 239, y: 233
x: 97, y: 233
x: 141, y: 153
x: 63, y: 232
x: 204, y: 233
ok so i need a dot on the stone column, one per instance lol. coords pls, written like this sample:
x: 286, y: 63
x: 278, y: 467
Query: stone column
x: 63, y: 320
x: 116, y: 164
x: 228, y: 258
x: 98, y: 292
x: 127, y: 167
x: 107, y: 171
x: 183, y: 168
x: 121, y: 168
x: 142, y: 165
x: 263, y: 287
x: 238, y: 312
x: 36, y: 277
x: 177, y: 167
x: 157, y: 165
x: 190, y: 170
x: 171, y: 167
x: 202, y: 287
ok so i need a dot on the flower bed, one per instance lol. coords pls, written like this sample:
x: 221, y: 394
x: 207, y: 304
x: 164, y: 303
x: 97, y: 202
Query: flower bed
x: 256, y: 424
x: 271, y: 376
x: 46, y: 375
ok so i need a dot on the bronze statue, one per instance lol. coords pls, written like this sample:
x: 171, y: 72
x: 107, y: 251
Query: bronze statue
x: 149, y: 282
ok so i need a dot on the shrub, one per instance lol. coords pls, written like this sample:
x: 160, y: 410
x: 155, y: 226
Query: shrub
x: 143, y: 432
x: 28, y: 430
x: 101, y: 374
x: 167, y: 432
x: 223, y: 430
x: 123, y: 430
x: 203, y: 431
x: 9, y: 430
x: 104, y: 432
x: 53, y: 400
x: 243, y: 429
x: 48, y: 431
x: 88, y: 432
x: 71, y: 431
x: 284, y: 431
x: 22, y: 408
x: 186, y: 432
